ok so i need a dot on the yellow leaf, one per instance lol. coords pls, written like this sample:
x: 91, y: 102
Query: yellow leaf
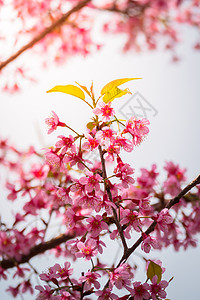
x: 83, y: 88
x: 68, y: 89
x: 154, y: 269
x: 115, y: 83
x: 115, y: 92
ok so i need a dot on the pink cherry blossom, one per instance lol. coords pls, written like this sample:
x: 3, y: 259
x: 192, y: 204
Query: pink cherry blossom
x: 65, y: 143
x: 2, y: 273
x: 148, y: 242
x: 105, y: 110
x: 13, y: 290
x: 53, y: 122
x: 172, y: 186
x: 140, y: 291
x: 96, y: 225
x: 20, y: 272
x: 124, y: 143
x: 89, y: 279
x: 157, y: 289
x: 53, y: 158
x: 137, y: 128
x: 13, y: 192
x: 106, y: 135
x: 164, y: 219
x: 45, y: 293
x: 65, y: 272
x: 123, y: 171
x: 26, y: 286
x: 52, y: 273
x: 91, y: 182
x: 111, y: 152
x: 120, y: 277
x: 74, y: 158
x: 40, y: 171
x: 87, y: 250
x: 106, y: 294
x: 91, y: 143
x: 132, y: 219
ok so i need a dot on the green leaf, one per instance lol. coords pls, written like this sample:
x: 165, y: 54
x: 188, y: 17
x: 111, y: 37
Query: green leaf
x: 115, y: 83
x: 68, y: 89
x: 154, y: 269
x: 115, y: 92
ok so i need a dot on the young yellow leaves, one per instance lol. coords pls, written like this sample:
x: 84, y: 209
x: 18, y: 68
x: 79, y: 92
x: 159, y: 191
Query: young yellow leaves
x: 111, y: 90
x: 154, y: 269
x: 115, y: 83
x: 68, y: 89
x: 83, y: 88
x: 115, y: 92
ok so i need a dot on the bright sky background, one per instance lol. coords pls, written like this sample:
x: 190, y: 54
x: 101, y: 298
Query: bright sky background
x: 172, y: 89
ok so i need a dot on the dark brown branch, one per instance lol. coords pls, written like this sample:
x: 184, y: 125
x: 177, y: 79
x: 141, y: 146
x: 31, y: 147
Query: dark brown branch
x: 36, y: 250
x: 45, y: 32
x: 107, y: 187
x: 153, y: 225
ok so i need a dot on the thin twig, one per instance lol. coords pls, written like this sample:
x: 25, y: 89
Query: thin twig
x: 151, y: 228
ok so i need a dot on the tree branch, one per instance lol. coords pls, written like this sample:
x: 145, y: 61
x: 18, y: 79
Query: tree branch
x: 107, y: 187
x: 153, y: 224
x: 44, y: 33
x: 38, y: 249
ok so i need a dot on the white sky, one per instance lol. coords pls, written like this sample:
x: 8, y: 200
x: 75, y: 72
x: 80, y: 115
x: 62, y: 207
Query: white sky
x: 172, y: 89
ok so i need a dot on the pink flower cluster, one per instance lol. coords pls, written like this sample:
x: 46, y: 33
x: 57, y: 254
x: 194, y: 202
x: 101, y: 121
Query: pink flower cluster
x: 90, y: 200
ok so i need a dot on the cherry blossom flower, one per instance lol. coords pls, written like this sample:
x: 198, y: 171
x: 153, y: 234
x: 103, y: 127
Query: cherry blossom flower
x: 40, y: 171
x: 175, y: 170
x: 20, y: 272
x: 26, y: 286
x: 106, y: 135
x: 111, y: 152
x: 164, y: 219
x: 13, y: 290
x: 53, y: 122
x: 124, y: 143
x: 65, y: 272
x: 45, y: 293
x: 157, y: 289
x: 89, y: 279
x: 65, y: 143
x: 132, y: 219
x: 106, y: 294
x: 123, y: 171
x: 13, y: 194
x: 89, y: 201
x: 140, y: 291
x: 87, y: 250
x: 74, y: 158
x: 91, y: 182
x: 137, y: 128
x: 2, y: 273
x: 53, y: 158
x: 148, y: 242
x: 105, y: 110
x: 63, y: 193
x: 52, y: 273
x: 91, y: 143
x: 120, y: 277
x: 96, y: 225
